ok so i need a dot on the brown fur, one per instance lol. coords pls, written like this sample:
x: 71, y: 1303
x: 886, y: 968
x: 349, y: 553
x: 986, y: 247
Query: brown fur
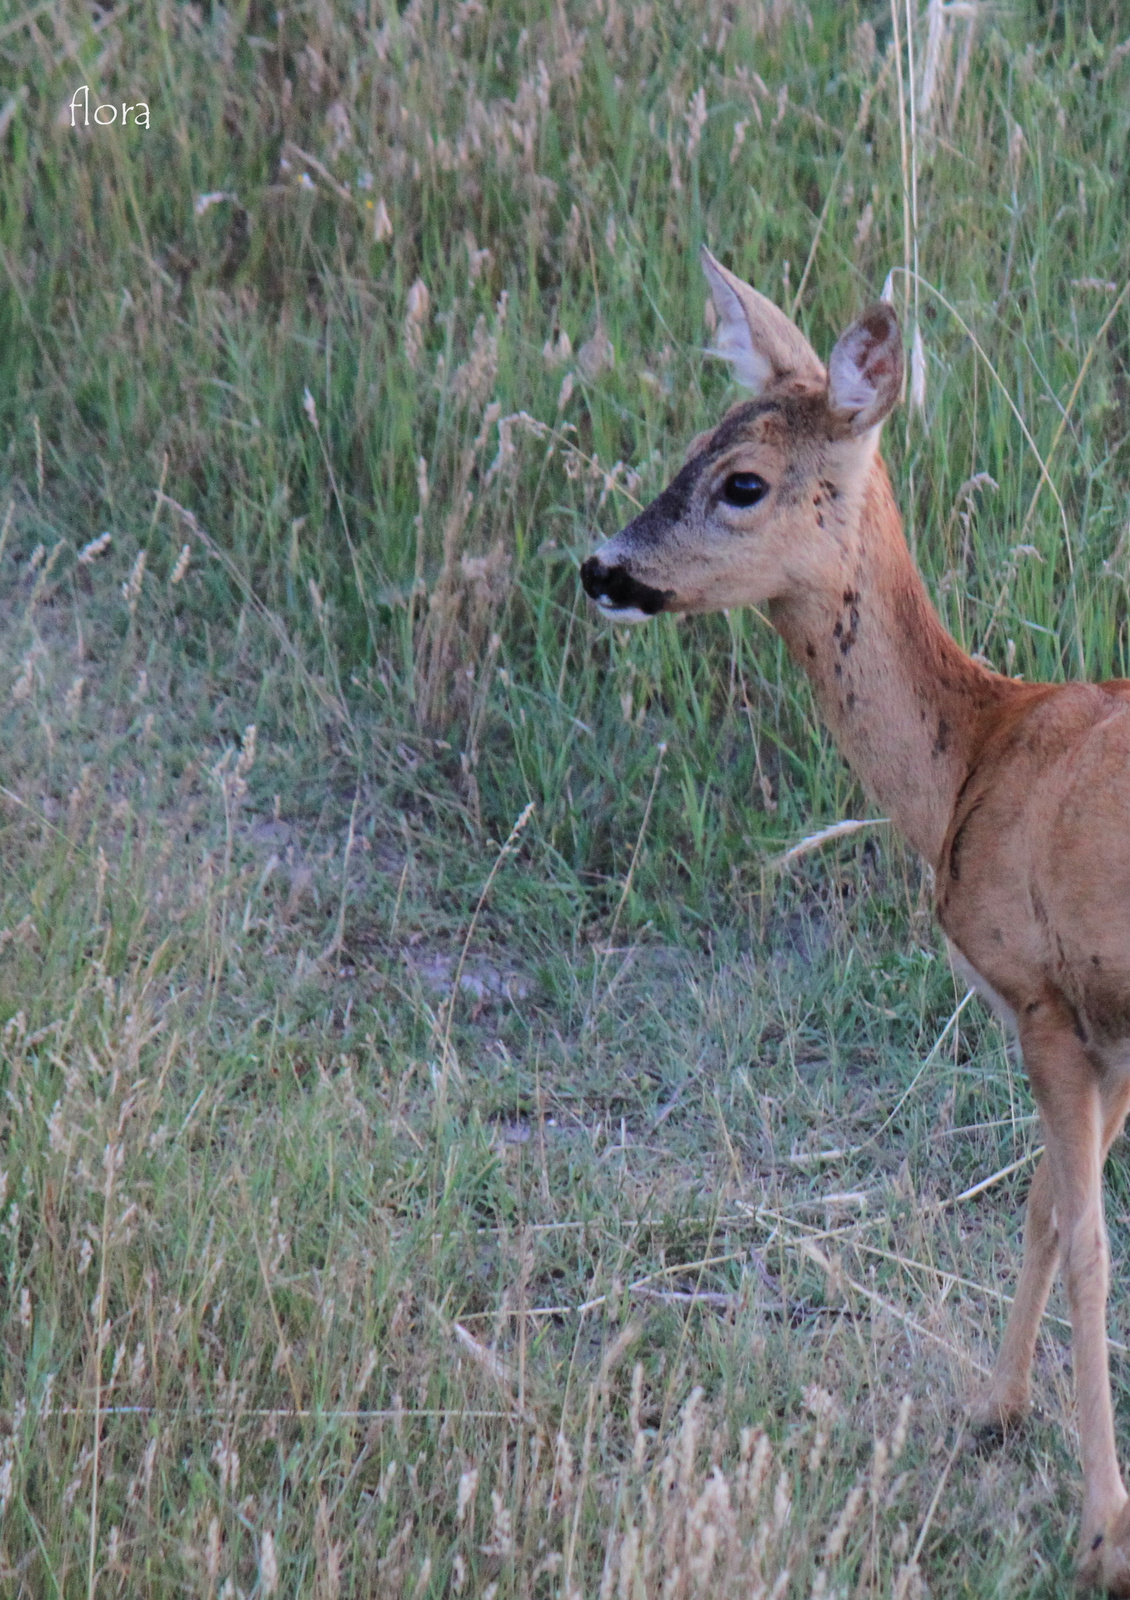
x: 1018, y: 795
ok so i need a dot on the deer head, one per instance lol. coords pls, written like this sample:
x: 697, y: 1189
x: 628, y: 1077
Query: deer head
x: 767, y: 500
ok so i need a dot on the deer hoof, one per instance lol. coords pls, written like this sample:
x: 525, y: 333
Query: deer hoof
x: 992, y: 1417
x: 1103, y: 1562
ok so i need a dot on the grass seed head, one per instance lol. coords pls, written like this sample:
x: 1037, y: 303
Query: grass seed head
x: 415, y: 319
x: 695, y: 117
x: 268, y: 1563
x: 131, y: 588
x: 181, y: 567
x: 93, y: 549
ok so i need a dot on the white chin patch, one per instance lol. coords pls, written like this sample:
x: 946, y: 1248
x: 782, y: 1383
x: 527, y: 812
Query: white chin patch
x: 622, y: 613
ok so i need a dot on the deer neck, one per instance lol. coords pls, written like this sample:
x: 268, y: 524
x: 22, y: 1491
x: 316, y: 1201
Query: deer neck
x: 902, y: 699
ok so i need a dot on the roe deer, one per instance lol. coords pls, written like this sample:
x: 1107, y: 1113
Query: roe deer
x: 1018, y: 795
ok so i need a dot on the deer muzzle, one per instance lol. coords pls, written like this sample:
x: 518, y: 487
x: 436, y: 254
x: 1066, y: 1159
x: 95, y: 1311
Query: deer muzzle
x: 620, y: 596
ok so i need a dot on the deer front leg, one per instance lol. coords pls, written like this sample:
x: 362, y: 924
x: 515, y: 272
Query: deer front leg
x: 1006, y: 1400
x: 1067, y: 1086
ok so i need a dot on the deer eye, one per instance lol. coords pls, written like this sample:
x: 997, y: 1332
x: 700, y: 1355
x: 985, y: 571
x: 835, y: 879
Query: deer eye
x: 744, y: 489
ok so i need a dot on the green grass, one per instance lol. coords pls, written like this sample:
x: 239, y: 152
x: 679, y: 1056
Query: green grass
x: 608, y: 1275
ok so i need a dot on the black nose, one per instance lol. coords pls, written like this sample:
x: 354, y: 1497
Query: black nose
x: 615, y: 587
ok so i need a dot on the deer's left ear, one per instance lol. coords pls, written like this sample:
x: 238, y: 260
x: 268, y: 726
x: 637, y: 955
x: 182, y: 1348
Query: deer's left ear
x: 765, y: 350
x: 865, y: 369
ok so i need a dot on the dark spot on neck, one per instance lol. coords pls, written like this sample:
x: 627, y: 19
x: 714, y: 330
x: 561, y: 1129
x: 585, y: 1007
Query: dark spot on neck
x: 942, y: 742
x: 849, y: 634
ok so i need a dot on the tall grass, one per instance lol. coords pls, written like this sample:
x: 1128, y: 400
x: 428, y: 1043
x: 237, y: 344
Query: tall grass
x: 396, y: 1200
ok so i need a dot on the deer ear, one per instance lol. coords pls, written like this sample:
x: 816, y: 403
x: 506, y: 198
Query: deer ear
x: 865, y: 369
x: 761, y: 344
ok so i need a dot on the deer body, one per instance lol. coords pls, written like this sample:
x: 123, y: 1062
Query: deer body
x: 1018, y: 795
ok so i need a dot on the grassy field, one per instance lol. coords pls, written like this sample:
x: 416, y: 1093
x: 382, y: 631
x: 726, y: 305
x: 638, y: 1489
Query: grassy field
x: 442, y: 1152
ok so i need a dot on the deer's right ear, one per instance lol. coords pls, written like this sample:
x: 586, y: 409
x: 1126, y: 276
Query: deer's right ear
x: 762, y: 346
x: 865, y: 369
